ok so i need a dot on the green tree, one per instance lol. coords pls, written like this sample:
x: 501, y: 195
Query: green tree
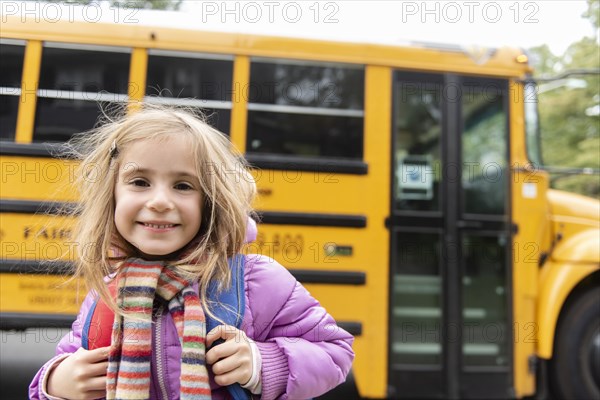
x: 172, y: 5
x: 150, y: 4
x: 544, y: 61
x: 593, y: 12
x: 570, y: 110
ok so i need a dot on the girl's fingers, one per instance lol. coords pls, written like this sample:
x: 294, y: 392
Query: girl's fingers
x: 98, y: 369
x: 237, y: 367
x: 226, y: 365
x: 230, y: 378
x: 222, y: 350
x: 225, y: 332
x: 97, y: 384
x: 96, y: 355
x: 231, y: 360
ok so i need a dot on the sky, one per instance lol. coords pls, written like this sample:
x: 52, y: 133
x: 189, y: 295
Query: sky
x: 515, y: 23
x: 484, y: 23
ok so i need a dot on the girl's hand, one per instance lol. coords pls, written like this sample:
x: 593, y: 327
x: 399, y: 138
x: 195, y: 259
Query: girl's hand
x: 82, y: 375
x: 231, y: 360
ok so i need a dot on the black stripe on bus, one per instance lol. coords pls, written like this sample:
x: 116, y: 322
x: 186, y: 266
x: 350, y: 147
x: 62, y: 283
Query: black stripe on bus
x: 35, y: 207
x: 262, y: 161
x: 20, y: 321
x: 65, y: 267
x: 33, y: 149
x: 312, y: 219
x: 353, y: 328
x: 321, y: 164
x: 30, y: 320
x: 36, y: 267
x: 265, y: 217
x: 329, y: 277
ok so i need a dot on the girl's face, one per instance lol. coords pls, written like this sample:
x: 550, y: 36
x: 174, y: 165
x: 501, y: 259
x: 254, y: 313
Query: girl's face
x: 157, y: 195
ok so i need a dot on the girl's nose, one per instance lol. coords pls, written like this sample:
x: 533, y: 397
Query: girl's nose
x: 159, y: 201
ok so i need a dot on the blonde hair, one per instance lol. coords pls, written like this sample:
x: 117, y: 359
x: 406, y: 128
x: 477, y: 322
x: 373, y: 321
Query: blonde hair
x: 227, y: 186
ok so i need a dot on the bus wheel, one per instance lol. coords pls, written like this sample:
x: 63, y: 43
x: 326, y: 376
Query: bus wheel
x: 575, y: 367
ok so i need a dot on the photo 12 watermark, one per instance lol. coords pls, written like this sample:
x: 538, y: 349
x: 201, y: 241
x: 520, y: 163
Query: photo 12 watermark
x: 470, y: 11
x: 253, y: 12
x: 54, y: 12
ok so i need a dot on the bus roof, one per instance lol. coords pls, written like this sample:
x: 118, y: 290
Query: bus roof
x: 504, y: 61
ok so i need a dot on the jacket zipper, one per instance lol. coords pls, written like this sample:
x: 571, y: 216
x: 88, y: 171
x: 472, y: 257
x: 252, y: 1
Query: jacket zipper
x: 159, y: 355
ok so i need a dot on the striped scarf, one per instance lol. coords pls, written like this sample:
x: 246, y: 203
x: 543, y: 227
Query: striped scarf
x: 128, y: 375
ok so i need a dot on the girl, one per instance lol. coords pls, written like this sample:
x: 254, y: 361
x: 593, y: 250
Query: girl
x: 163, y: 216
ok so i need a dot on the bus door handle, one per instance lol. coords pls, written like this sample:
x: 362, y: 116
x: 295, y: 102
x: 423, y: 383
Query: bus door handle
x: 469, y: 224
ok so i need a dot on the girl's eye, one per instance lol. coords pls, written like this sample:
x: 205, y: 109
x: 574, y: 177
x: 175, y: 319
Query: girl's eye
x: 139, y: 182
x: 183, y: 186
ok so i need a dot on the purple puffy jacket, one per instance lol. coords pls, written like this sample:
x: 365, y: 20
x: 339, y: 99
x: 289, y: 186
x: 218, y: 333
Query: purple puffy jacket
x: 304, y: 353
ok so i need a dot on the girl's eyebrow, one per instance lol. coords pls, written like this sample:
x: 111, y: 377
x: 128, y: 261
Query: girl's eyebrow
x: 137, y: 170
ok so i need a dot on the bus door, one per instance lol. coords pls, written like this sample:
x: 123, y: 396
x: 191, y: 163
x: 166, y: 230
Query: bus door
x: 450, y: 283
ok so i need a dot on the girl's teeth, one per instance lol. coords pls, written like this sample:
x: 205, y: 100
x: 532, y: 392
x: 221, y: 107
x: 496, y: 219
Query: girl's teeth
x: 159, y: 226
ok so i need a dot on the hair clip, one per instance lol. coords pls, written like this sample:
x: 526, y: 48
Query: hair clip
x: 113, y: 149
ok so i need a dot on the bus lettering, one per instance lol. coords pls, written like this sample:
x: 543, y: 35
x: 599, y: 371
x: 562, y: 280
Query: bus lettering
x: 46, y: 233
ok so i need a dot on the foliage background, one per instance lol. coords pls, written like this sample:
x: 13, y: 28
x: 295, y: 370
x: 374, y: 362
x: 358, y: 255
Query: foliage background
x: 570, y: 110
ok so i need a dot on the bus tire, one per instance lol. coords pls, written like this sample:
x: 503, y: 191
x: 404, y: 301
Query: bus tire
x: 575, y: 367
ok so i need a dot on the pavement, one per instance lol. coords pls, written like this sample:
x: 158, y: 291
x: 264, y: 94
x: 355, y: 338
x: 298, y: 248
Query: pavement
x: 22, y: 353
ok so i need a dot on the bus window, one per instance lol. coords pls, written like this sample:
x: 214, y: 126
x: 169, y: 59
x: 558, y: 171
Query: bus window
x: 11, y: 65
x: 485, y: 251
x: 417, y: 303
x: 75, y: 84
x: 532, y: 123
x: 417, y: 135
x: 305, y: 110
x: 195, y: 80
x: 484, y: 150
x: 486, y: 334
x: 416, y: 250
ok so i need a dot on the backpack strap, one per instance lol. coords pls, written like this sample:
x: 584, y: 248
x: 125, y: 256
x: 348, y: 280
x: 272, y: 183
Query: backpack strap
x: 87, y: 326
x: 227, y: 305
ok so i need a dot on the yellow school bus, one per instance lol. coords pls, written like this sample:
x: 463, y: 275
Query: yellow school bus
x: 397, y: 183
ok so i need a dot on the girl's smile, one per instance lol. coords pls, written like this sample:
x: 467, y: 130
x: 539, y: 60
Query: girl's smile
x: 157, y: 226
x: 157, y: 196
